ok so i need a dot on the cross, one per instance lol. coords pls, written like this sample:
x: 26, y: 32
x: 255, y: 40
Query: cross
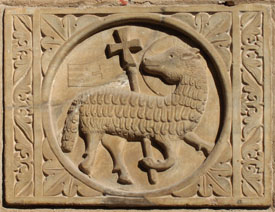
x: 125, y: 48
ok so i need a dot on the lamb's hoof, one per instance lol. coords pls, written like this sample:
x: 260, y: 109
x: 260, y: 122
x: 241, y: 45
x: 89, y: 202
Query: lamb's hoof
x: 124, y: 179
x: 85, y: 168
x: 147, y: 162
x: 159, y: 165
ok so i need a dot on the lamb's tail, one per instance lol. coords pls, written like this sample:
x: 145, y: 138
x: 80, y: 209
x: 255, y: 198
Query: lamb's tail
x: 70, y: 130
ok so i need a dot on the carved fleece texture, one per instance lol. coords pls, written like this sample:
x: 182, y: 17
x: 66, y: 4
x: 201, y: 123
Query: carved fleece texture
x: 135, y: 115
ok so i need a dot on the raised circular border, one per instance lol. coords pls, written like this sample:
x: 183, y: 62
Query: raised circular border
x: 119, y: 20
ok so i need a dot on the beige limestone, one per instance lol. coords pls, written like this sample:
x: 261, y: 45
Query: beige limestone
x: 114, y: 169
x: 98, y: 3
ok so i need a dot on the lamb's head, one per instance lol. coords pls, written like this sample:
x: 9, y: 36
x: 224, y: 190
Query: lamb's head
x: 171, y: 59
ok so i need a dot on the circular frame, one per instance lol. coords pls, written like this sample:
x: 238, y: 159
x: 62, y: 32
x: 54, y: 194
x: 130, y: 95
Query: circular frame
x: 119, y: 20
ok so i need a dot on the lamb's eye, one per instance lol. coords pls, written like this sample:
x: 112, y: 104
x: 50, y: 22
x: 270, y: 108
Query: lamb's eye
x: 171, y: 56
x: 187, y: 56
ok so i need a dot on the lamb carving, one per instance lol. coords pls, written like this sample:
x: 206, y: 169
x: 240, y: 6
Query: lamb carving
x: 137, y: 116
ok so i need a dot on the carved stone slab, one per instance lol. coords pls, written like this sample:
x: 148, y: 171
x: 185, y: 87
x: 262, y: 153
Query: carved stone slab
x: 132, y: 107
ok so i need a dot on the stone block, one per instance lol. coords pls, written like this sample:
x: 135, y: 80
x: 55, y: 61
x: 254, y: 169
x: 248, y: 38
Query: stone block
x: 162, y: 106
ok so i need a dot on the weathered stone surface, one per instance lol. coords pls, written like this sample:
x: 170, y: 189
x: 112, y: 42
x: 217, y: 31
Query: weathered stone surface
x: 79, y: 83
x: 96, y: 3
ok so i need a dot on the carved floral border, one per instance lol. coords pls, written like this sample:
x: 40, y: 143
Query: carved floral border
x: 252, y: 104
x: 23, y: 105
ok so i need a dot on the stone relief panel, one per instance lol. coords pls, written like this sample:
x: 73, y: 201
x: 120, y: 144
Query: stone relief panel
x: 137, y: 108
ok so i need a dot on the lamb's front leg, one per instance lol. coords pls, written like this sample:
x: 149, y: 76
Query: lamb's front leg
x: 161, y: 165
x: 115, y: 146
x: 92, y: 140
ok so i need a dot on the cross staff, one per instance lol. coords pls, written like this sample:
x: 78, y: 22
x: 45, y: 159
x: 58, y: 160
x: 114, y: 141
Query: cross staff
x: 126, y: 48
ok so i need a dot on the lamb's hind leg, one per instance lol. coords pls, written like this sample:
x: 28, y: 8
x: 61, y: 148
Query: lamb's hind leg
x: 92, y: 140
x: 161, y: 165
x: 200, y: 144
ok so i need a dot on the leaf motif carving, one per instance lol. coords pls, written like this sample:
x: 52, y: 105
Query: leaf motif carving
x: 252, y: 105
x: 216, y: 181
x: 24, y: 186
x: 21, y: 49
x: 253, y: 165
x: 216, y: 28
x: 24, y: 170
x: 58, y: 180
x: 25, y: 124
x: 22, y: 101
x: 252, y: 44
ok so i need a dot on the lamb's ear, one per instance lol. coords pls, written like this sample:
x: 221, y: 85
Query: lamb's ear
x: 194, y: 50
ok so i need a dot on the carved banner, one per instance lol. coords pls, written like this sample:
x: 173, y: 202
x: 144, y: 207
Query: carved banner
x: 135, y: 108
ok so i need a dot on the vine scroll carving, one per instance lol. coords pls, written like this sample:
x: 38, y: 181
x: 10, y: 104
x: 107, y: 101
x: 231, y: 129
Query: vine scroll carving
x: 252, y: 104
x: 23, y: 105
